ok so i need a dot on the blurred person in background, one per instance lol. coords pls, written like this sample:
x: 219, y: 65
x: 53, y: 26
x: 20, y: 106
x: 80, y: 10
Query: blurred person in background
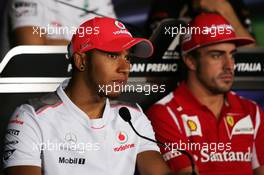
x: 56, y: 19
x: 234, y: 11
x: 47, y: 22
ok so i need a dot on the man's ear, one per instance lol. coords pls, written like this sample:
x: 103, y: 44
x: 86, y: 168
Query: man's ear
x: 190, y: 62
x: 79, y: 61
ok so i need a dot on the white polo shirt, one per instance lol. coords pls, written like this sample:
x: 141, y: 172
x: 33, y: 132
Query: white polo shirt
x: 59, y: 20
x: 53, y: 133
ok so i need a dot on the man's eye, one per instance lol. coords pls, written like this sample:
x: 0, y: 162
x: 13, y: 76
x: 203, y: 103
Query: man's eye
x: 113, y: 56
x: 128, y: 57
x: 216, y: 56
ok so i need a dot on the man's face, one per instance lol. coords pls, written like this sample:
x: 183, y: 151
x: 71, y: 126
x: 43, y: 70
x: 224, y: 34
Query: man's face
x: 215, y: 67
x: 108, y: 72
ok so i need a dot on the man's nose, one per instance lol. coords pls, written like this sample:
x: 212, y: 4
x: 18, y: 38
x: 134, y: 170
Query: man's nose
x: 229, y: 62
x: 123, y: 66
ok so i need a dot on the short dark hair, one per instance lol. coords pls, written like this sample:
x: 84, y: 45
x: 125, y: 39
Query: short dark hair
x: 195, y: 54
x: 183, y: 69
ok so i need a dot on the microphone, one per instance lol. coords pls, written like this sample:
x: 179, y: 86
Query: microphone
x: 126, y: 116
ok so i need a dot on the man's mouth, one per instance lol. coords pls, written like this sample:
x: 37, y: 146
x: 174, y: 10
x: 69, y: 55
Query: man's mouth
x: 120, y: 82
x: 227, y: 77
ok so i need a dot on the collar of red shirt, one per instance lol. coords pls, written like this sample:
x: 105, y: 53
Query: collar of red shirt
x: 185, y: 98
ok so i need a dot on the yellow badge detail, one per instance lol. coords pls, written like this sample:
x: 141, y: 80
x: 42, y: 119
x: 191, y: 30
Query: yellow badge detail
x: 230, y: 120
x: 192, y: 125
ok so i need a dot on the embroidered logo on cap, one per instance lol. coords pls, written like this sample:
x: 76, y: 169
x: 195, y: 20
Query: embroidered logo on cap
x: 120, y: 25
x: 122, y: 28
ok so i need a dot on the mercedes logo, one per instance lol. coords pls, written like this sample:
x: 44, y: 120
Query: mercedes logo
x: 71, y: 138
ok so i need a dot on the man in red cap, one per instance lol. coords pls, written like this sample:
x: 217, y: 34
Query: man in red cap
x: 223, y: 131
x: 76, y: 130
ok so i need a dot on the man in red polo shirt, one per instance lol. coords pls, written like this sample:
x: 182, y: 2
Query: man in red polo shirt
x: 223, y: 131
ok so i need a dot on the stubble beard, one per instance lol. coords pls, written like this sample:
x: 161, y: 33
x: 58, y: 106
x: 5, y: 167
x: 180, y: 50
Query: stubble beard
x: 212, y: 84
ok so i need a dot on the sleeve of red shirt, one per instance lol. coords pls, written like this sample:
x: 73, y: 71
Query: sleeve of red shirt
x: 258, y: 153
x: 167, y: 132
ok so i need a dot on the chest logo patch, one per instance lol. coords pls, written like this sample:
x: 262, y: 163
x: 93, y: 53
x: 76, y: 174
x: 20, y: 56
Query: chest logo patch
x: 192, y: 125
x: 230, y: 120
x: 121, y: 137
x: 243, y: 126
x: 240, y: 126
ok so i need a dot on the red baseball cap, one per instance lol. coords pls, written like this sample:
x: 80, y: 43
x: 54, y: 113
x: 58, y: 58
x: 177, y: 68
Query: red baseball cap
x: 210, y: 28
x: 107, y: 34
